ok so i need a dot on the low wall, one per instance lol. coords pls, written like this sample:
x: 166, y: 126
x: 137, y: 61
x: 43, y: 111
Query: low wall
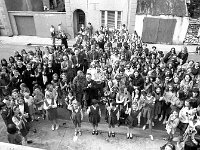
x: 8, y: 146
x: 179, y: 31
x: 42, y: 20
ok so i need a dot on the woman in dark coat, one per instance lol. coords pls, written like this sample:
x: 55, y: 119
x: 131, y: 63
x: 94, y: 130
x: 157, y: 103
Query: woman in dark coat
x: 183, y: 55
x: 137, y: 80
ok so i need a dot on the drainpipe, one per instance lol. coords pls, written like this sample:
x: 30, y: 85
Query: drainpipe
x: 128, y: 16
x: 29, y: 5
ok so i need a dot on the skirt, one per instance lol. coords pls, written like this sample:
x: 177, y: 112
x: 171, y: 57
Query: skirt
x: 52, y: 114
x: 112, y: 121
x: 31, y: 110
x: 76, y: 121
x: 131, y: 122
x: 147, y: 113
x: 94, y: 120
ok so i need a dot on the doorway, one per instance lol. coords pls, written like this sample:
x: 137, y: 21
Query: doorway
x: 78, y: 20
x: 25, y: 25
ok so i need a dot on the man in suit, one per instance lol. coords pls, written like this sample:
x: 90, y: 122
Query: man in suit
x: 79, y: 85
x: 92, y: 54
x: 91, y: 90
x: 77, y: 61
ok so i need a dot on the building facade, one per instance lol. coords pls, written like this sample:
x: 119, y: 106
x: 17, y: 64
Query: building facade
x: 27, y: 17
x: 110, y: 13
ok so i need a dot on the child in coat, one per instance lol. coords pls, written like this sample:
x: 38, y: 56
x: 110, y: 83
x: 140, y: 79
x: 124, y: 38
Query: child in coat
x: 94, y: 112
x: 29, y: 99
x: 172, y: 124
x: 148, y: 101
x: 77, y: 116
x: 113, y: 118
x: 38, y: 97
x: 132, y: 119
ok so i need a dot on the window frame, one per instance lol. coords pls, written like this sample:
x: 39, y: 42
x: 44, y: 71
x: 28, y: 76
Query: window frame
x: 104, y: 18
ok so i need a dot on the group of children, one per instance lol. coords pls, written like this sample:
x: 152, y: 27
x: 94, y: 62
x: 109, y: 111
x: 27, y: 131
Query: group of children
x: 138, y: 85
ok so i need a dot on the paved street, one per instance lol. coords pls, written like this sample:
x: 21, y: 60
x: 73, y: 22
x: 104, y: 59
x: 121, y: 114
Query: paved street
x: 62, y: 139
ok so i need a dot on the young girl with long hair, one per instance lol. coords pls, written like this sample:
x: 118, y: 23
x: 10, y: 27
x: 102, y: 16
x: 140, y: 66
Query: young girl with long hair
x: 50, y: 106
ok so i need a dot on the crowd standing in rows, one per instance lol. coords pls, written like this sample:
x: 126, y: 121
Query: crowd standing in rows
x: 112, y: 67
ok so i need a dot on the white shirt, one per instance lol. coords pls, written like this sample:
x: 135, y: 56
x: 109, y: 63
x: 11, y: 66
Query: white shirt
x: 29, y: 100
x: 49, y: 102
x: 21, y: 108
x: 52, y: 29
x: 183, y: 115
x: 128, y: 72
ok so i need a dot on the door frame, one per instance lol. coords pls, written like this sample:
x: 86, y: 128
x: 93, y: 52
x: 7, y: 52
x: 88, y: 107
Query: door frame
x: 76, y: 20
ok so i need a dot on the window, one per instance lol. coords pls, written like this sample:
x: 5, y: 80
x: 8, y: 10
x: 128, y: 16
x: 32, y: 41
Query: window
x: 54, y: 5
x: 112, y: 19
x: 103, y: 18
x: 119, y: 19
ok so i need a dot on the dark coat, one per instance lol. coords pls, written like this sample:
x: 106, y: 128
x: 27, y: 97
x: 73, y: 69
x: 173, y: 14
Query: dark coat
x: 139, y: 81
x: 7, y: 115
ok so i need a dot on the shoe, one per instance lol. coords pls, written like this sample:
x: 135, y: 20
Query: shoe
x: 57, y: 126
x: 113, y: 134
x: 127, y: 136
x: 138, y: 124
x: 93, y: 133
x: 151, y: 136
x: 109, y: 134
x: 166, y: 139
x: 164, y: 122
x: 52, y: 127
x: 96, y: 132
x: 156, y: 117
x: 29, y: 142
x: 118, y: 124
x: 131, y: 136
x: 80, y: 133
x: 160, y: 118
x: 75, y: 133
x: 144, y: 127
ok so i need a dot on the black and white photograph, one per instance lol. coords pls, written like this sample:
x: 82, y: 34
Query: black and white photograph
x: 99, y: 74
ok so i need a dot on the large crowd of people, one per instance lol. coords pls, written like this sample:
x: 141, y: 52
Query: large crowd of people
x: 111, y: 69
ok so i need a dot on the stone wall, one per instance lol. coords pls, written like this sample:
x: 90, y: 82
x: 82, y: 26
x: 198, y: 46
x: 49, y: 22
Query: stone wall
x: 5, y: 26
